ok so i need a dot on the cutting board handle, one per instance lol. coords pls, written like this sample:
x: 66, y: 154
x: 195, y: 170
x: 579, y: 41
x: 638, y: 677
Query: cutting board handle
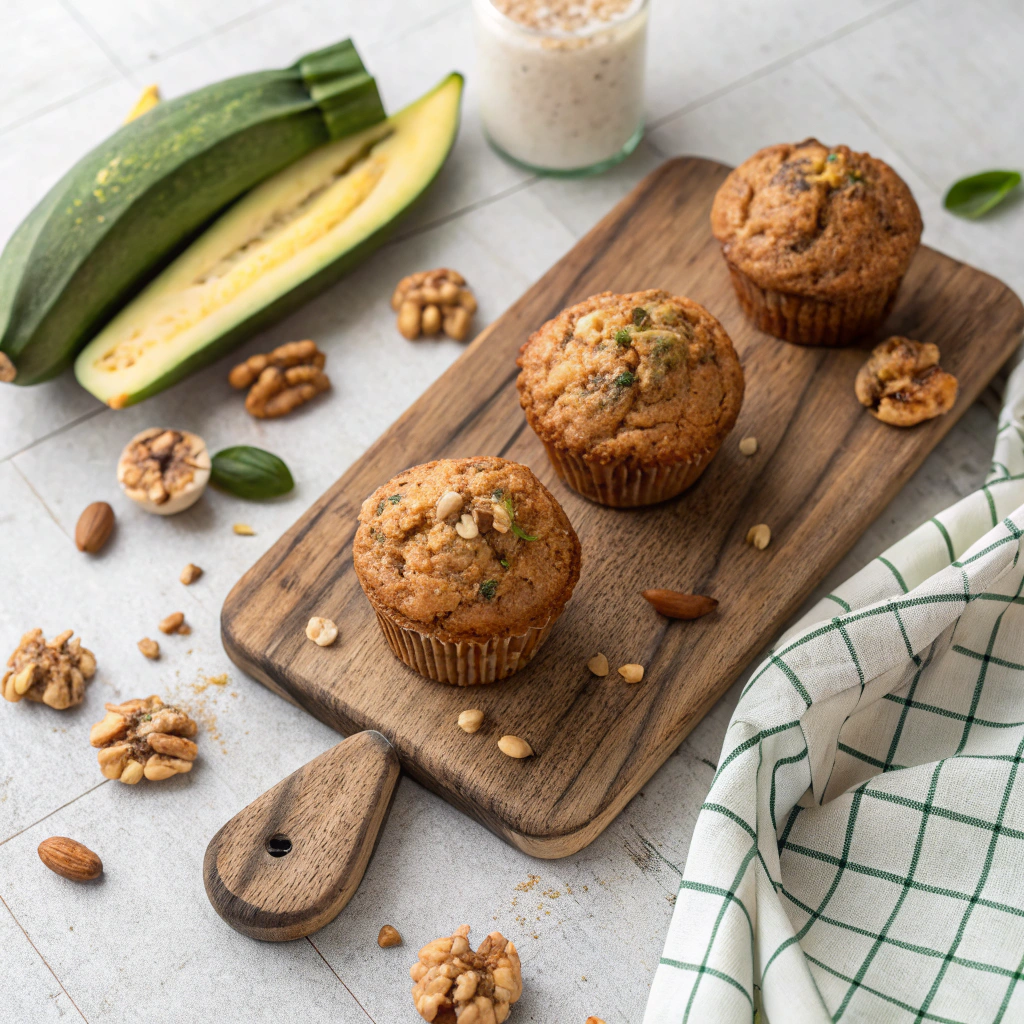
x: 286, y: 865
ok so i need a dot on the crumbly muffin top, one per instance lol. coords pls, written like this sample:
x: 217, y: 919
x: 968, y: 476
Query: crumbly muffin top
x: 466, y: 549
x: 647, y: 377
x: 816, y: 221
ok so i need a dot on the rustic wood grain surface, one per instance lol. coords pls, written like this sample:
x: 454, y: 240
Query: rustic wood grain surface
x: 287, y: 864
x: 823, y: 471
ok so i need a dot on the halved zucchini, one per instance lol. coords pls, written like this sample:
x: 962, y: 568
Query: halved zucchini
x: 288, y: 239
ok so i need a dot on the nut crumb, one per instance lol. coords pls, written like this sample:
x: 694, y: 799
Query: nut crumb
x: 748, y: 446
x: 323, y: 632
x: 150, y: 648
x: 760, y: 536
x: 514, y: 746
x: 470, y: 721
x: 388, y: 937
x: 631, y: 673
x: 593, y: 1020
x: 244, y: 530
x: 598, y: 664
x: 190, y: 574
x: 175, y: 623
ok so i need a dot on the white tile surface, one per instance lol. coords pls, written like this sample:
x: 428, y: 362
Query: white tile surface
x: 928, y: 84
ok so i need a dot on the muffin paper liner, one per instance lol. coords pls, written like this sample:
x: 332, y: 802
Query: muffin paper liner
x: 462, y: 664
x: 623, y: 484
x: 808, y: 321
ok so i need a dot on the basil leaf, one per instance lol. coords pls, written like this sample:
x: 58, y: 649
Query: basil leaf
x: 250, y: 473
x: 973, y: 196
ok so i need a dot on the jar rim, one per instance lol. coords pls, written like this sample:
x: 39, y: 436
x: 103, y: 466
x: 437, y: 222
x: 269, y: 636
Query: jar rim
x: 635, y: 8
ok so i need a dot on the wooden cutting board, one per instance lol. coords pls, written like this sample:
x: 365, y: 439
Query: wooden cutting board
x: 823, y: 471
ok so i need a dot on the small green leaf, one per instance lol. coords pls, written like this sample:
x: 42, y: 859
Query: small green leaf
x: 976, y: 195
x: 521, y: 533
x: 488, y: 589
x: 395, y: 499
x: 498, y: 493
x: 640, y: 316
x: 504, y: 563
x: 832, y: 157
x: 622, y: 337
x: 625, y: 380
x: 380, y: 507
x: 250, y: 473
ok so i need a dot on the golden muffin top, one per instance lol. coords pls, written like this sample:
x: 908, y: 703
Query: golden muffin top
x: 646, y: 377
x: 466, y: 549
x: 817, y: 221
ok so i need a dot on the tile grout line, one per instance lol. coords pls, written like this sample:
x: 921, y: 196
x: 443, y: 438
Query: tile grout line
x: 48, y: 108
x: 54, y: 433
x: 87, y: 28
x: 45, y: 962
x: 56, y: 810
x: 39, y: 498
x: 784, y: 61
x: 338, y: 976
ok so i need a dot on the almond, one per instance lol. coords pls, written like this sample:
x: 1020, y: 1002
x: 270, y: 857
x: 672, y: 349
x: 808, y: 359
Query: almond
x: 70, y: 859
x: 94, y: 527
x: 675, y: 605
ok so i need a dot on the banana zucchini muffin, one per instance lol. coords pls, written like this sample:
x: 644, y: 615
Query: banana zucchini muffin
x: 467, y: 563
x: 817, y: 240
x: 632, y: 395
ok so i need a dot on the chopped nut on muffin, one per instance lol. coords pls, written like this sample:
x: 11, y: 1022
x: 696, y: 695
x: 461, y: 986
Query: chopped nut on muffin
x: 817, y: 240
x: 144, y: 738
x: 454, y: 983
x: 632, y: 395
x: 902, y: 383
x: 467, y: 563
x: 53, y: 673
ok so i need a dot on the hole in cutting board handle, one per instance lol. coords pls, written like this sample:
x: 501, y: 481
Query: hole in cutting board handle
x: 279, y: 846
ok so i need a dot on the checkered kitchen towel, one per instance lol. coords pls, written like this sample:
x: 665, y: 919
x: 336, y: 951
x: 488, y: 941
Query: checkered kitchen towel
x: 860, y: 856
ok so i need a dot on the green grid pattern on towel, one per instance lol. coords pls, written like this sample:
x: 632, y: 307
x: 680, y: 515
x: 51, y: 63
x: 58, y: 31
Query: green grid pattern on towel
x: 856, y: 857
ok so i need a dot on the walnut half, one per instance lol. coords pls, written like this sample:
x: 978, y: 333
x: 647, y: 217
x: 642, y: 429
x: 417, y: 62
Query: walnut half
x: 902, y: 383
x: 144, y: 737
x: 455, y: 984
x: 51, y: 673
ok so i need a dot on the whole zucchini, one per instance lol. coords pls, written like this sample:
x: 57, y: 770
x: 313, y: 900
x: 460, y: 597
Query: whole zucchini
x: 132, y: 203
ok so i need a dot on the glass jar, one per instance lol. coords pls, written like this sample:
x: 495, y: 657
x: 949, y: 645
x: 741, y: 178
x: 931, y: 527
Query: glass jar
x: 561, y: 84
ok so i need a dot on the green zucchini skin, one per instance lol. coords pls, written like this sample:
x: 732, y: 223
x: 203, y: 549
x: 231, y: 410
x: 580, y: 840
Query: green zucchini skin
x: 125, y: 209
x: 322, y: 279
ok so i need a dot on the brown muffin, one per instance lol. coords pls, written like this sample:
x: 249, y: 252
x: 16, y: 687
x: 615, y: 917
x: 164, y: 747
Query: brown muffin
x: 632, y: 395
x: 467, y: 563
x: 817, y: 240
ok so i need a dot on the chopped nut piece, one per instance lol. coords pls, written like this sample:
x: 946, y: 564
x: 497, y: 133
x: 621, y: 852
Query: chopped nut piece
x: 451, y: 981
x: 388, y: 936
x: 190, y: 574
x: 51, y: 673
x: 501, y: 519
x: 631, y: 673
x: 94, y: 527
x: 433, y: 300
x: 466, y: 527
x: 515, y: 747
x: 144, y: 738
x: 593, y: 1020
x: 484, y: 518
x: 70, y: 859
x: 150, y: 648
x: 598, y: 664
x: 292, y: 353
x: 449, y: 503
x: 748, y: 446
x: 323, y: 632
x: 165, y: 471
x: 675, y: 605
x: 244, y: 530
x: 760, y: 536
x: 470, y: 721
x: 902, y: 383
x: 175, y: 623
